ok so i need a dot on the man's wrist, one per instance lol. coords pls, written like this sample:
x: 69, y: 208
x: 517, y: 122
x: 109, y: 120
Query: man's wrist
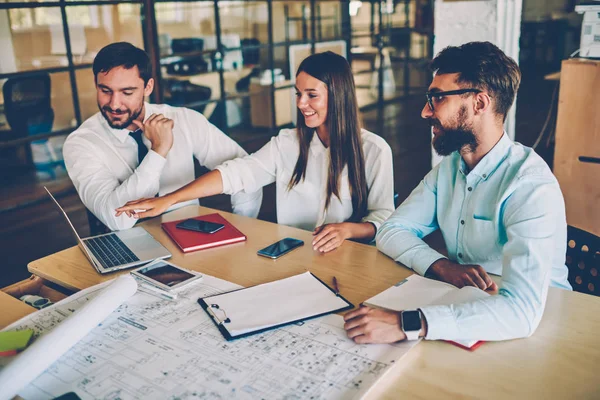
x: 161, y: 150
x: 433, y: 270
x: 423, y: 331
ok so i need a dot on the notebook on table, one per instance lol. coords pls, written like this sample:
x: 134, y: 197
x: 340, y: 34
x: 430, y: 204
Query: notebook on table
x: 256, y: 309
x: 416, y: 292
x: 191, y: 241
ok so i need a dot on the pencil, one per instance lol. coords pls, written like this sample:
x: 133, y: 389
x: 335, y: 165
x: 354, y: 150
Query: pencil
x: 336, y: 288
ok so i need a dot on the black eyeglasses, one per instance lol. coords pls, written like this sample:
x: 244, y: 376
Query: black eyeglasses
x: 438, y: 95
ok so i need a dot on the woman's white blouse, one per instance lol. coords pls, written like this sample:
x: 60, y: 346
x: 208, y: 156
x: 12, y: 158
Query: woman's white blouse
x: 303, y: 206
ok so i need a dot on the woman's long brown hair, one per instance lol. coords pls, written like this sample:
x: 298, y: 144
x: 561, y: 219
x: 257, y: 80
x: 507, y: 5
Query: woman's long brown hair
x: 344, y: 128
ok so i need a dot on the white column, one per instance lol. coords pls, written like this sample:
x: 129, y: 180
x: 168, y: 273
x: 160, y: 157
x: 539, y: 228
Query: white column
x: 7, y: 61
x: 508, y: 31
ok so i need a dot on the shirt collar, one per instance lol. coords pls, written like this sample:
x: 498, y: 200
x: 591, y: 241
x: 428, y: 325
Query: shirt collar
x: 316, y: 145
x: 122, y: 134
x: 490, y: 162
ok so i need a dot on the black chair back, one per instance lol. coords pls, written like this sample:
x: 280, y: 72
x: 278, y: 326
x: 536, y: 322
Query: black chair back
x: 583, y: 261
x: 27, y: 104
x: 182, y: 93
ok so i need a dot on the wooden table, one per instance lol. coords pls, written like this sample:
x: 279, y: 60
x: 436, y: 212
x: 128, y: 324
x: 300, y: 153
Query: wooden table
x: 558, y: 361
x: 361, y: 270
x: 12, y: 310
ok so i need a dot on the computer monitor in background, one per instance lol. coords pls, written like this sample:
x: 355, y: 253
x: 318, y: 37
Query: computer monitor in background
x: 230, y: 59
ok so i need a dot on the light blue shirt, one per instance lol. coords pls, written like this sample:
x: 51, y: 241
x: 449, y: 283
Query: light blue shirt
x: 507, y: 215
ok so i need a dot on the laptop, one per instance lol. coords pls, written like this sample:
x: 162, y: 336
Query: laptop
x: 118, y: 250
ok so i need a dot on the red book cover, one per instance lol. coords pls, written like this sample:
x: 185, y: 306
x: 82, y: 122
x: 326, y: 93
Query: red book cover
x: 467, y: 346
x: 191, y: 241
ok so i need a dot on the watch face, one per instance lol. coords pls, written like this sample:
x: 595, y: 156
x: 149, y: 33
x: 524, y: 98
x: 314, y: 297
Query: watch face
x: 411, y: 321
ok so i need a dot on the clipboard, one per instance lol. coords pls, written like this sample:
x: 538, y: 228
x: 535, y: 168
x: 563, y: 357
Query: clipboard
x: 256, y: 309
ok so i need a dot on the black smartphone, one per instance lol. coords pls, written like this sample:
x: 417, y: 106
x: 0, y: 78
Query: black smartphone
x: 280, y: 248
x: 200, y: 226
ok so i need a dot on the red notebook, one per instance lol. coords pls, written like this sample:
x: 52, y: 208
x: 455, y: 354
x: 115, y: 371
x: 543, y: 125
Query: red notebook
x: 191, y: 241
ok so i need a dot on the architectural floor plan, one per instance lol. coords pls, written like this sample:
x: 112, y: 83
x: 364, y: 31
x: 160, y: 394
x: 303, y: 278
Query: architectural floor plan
x: 150, y: 348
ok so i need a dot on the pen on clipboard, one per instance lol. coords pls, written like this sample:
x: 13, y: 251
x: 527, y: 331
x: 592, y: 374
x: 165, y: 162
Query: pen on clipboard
x: 336, y: 288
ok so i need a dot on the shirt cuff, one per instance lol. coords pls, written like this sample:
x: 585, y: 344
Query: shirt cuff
x: 377, y: 224
x: 152, y: 164
x: 441, y: 323
x: 423, y: 261
x: 225, y: 179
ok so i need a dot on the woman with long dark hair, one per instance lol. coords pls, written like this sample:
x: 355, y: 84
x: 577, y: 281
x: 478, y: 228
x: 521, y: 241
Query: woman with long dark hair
x: 332, y: 176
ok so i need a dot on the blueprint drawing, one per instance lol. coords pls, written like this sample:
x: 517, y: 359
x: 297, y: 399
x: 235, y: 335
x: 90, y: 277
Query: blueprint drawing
x: 154, y: 348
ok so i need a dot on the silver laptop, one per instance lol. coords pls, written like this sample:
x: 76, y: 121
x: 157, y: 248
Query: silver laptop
x: 118, y: 250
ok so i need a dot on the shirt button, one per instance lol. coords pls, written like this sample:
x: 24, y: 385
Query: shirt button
x: 459, y: 255
x: 462, y: 221
x: 484, y: 175
x: 469, y: 188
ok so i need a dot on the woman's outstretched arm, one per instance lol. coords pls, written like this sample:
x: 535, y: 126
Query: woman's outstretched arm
x: 208, y: 184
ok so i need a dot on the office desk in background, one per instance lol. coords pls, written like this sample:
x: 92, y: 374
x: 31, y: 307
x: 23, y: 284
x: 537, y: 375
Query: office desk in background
x: 559, y: 361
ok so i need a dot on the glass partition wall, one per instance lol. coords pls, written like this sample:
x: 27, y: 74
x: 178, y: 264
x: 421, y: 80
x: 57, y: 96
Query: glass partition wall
x: 234, y: 61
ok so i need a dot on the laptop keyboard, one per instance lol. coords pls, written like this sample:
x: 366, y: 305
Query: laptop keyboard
x: 110, y: 250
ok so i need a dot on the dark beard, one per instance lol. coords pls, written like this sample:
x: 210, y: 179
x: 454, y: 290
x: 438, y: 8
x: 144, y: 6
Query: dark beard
x: 454, y: 139
x: 105, y: 110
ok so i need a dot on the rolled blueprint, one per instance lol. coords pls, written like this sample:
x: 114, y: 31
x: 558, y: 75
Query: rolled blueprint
x: 50, y: 347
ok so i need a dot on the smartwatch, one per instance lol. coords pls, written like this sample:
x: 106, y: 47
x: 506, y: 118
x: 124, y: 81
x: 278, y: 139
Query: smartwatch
x: 411, y: 323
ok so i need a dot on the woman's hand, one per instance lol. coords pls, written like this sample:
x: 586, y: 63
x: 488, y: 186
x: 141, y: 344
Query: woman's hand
x: 144, y: 208
x: 331, y: 236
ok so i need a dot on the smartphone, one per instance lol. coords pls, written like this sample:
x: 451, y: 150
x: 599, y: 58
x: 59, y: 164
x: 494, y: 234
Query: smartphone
x: 164, y: 275
x: 280, y: 248
x: 200, y: 226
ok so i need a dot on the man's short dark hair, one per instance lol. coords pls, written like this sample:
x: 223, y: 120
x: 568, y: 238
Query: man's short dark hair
x: 122, y: 54
x: 483, y: 66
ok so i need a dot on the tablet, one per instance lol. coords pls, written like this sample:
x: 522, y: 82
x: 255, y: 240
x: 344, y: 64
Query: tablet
x: 164, y: 275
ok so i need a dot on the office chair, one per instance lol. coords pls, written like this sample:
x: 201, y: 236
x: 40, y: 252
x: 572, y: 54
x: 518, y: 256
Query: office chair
x: 180, y: 93
x: 251, y: 51
x: 583, y: 261
x: 27, y: 104
x: 27, y: 109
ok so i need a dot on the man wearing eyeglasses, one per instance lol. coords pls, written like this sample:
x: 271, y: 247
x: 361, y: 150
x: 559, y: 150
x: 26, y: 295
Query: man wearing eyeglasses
x: 496, y: 202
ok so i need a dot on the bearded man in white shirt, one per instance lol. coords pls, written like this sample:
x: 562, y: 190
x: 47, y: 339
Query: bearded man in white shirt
x: 133, y: 149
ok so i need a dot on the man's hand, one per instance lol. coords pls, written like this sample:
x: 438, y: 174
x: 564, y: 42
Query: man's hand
x: 330, y: 237
x: 159, y: 131
x: 462, y: 275
x: 151, y: 207
x: 372, y: 325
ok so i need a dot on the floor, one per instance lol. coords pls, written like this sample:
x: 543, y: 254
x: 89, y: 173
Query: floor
x: 31, y: 228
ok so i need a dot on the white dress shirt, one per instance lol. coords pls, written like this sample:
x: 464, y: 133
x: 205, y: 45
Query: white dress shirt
x: 103, y: 163
x: 507, y: 215
x: 304, y: 205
